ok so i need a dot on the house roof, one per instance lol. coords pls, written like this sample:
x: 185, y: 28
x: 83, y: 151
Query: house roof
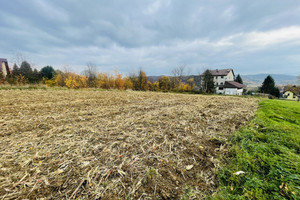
x: 289, y: 92
x: 3, y: 60
x: 220, y: 72
x: 233, y: 84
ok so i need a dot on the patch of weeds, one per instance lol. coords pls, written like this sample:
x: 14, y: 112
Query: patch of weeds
x: 188, y: 194
x: 149, y: 174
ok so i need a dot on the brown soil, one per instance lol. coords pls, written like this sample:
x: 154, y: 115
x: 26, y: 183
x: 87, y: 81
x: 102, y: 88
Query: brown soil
x: 113, y: 144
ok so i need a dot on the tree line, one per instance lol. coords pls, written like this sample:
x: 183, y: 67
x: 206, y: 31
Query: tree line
x: 90, y: 78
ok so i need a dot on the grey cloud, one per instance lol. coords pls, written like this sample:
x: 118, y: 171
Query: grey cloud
x: 157, y: 35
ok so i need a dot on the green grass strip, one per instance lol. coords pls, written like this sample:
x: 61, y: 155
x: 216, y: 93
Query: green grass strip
x: 267, y: 150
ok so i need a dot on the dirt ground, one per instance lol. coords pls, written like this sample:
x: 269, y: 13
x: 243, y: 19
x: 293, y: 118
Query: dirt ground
x: 70, y: 144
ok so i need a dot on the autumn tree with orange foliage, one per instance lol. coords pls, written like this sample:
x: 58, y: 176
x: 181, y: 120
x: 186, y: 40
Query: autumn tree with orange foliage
x: 184, y: 87
x: 59, y: 80
x: 119, y: 82
x: 75, y: 81
x: 91, y: 78
x: 127, y: 83
x: 191, y: 83
x: 103, y: 81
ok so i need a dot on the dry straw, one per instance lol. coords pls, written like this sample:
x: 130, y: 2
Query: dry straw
x: 84, y: 144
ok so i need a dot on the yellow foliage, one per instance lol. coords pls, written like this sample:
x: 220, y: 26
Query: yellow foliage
x: 21, y: 80
x: 111, y: 81
x: 119, y: 82
x: 185, y: 87
x: 83, y: 81
x: 73, y: 81
x: 59, y: 80
x: 150, y: 86
x: 164, y: 83
x: 127, y: 83
x: 116, y: 81
x: 102, y: 81
x: 50, y: 83
x: 156, y: 86
x: 191, y: 82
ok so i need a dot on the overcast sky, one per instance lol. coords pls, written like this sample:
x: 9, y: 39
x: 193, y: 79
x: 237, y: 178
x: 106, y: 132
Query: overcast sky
x: 158, y: 35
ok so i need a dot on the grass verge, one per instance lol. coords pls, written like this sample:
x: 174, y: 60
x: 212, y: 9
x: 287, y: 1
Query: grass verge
x: 267, y: 150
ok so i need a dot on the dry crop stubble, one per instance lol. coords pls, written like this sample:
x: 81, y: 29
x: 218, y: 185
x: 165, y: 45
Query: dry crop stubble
x: 113, y: 144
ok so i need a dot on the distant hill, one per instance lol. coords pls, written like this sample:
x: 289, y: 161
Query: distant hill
x: 153, y: 78
x: 280, y: 79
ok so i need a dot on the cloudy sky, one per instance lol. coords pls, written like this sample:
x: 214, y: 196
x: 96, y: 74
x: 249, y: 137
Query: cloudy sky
x: 157, y: 35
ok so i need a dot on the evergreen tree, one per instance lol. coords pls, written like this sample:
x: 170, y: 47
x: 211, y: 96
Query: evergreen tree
x: 268, y: 85
x: 48, y: 72
x: 16, y: 70
x: 275, y: 92
x: 208, y: 85
x: 26, y: 70
x: 36, y: 76
x: 239, y: 79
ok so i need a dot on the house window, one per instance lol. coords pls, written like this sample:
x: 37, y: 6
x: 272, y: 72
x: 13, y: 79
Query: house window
x: 221, y: 83
x: 222, y: 76
x: 220, y: 88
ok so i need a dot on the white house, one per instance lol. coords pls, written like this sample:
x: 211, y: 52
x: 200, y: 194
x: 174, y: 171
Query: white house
x: 231, y: 88
x: 224, y: 82
x: 291, y: 96
x: 4, y: 67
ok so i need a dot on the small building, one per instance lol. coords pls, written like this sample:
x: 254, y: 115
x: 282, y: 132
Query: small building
x: 224, y: 82
x: 4, y: 67
x: 231, y: 88
x: 290, y: 95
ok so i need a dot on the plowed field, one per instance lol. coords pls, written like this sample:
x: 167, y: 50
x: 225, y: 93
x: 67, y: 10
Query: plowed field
x: 114, y: 145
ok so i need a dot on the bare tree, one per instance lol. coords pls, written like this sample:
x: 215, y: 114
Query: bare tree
x: 66, y: 69
x: 177, y: 74
x: 18, y: 58
x: 91, y: 73
x: 188, y: 71
x: 201, y: 70
x: 178, y: 71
